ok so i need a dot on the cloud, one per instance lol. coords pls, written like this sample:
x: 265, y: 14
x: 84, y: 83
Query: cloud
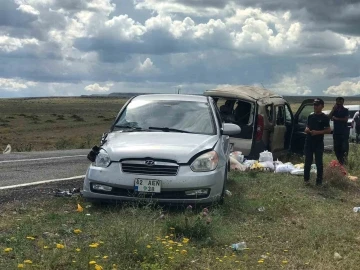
x: 97, y: 88
x: 345, y: 88
x: 290, y: 86
x: 14, y: 84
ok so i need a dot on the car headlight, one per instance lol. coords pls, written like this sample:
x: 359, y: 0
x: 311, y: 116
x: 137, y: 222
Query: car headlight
x: 102, y: 159
x: 206, y: 162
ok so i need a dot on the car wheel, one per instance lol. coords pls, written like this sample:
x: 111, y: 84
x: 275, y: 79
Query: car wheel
x: 223, y: 194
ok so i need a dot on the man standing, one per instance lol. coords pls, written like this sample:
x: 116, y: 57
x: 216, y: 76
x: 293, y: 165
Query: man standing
x: 340, y: 115
x: 356, y: 125
x: 318, y: 124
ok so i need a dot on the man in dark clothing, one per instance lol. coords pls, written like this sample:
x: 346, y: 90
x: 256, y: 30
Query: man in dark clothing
x: 340, y: 115
x: 318, y: 124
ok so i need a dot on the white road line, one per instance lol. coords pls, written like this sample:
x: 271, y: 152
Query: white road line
x: 37, y: 159
x: 42, y: 182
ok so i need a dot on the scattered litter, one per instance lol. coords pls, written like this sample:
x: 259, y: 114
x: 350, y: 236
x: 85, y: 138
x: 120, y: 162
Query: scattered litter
x: 266, y: 156
x: 7, y: 149
x: 239, y: 246
x: 238, y: 156
x: 297, y: 172
x: 88, y: 215
x: 356, y: 209
x: 337, y: 256
x: 261, y: 209
x: 284, y: 168
x: 264, y: 256
x: 66, y: 193
x: 228, y: 193
x: 79, y: 208
x: 88, y: 206
x: 235, y: 165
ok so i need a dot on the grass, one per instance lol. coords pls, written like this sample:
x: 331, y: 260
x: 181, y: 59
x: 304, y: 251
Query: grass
x: 55, y: 123
x: 300, y: 228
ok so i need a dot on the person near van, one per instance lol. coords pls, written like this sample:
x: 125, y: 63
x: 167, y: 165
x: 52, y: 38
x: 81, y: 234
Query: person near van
x: 356, y: 125
x: 318, y: 124
x: 340, y: 115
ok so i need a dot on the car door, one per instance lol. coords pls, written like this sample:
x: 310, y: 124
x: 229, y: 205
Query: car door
x: 300, y: 122
x: 277, y: 139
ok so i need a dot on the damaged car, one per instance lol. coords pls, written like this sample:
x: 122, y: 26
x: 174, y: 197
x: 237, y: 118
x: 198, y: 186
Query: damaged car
x: 266, y: 120
x: 164, y: 147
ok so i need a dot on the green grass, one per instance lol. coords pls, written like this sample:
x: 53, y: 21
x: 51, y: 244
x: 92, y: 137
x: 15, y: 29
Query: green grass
x: 301, y: 228
x: 55, y: 123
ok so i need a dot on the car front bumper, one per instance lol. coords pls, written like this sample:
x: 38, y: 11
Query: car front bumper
x: 173, y: 188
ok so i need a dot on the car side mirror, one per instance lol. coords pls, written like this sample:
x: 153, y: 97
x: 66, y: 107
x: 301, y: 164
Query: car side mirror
x: 231, y: 129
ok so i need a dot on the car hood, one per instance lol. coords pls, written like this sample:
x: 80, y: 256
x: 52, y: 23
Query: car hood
x: 180, y: 147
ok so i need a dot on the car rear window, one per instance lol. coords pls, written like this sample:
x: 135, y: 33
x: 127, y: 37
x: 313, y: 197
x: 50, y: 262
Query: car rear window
x: 189, y: 116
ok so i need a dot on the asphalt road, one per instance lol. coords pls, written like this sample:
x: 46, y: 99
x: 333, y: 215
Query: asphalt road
x: 28, y: 167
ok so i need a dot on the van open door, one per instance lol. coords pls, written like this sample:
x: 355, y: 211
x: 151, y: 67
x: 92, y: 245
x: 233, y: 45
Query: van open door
x: 300, y: 122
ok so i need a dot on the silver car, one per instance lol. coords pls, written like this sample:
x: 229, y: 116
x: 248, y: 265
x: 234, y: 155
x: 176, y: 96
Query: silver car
x: 168, y: 148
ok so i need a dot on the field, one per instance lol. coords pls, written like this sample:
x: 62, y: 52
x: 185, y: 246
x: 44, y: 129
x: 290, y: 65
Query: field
x: 285, y: 224
x: 65, y: 123
x: 55, y: 123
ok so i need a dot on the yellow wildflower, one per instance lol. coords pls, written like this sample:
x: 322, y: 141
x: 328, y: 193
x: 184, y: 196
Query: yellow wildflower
x: 46, y: 247
x: 183, y: 252
x: 98, y: 267
x: 220, y: 261
x: 285, y: 250
x: 101, y: 242
x: 8, y: 249
x: 92, y: 262
x: 59, y: 246
x: 30, y: 238
x: 28, y: 261
x: 284, y: 262
x: 171, y: 228
x: 77, y: 231
x: 79, y: 208
x: 105, y: 257
x: 74, y: 261
x: 166, y: 237
x: 78, y: 249
x: 94, y: 245
x: 97, y: 256
x: 170, y: 248
x: 185, y: 240
x: 148, y: 246
x: 20, y: 265
x: 171, y: 235
x: 164, y: 242
x: 260, y: 261
x: 179, y: 245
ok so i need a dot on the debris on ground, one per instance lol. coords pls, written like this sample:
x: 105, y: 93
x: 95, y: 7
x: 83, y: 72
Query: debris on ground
x: 239, y: 246
x: 228, y: 193
x: 7, y: 149
x: 267, y: 164
x: 261, y: 209
x: 337, y: 256
x: 67, y: 193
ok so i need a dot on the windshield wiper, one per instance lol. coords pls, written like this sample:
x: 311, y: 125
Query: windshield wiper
x: 166, y: 129
x: 130, y: 127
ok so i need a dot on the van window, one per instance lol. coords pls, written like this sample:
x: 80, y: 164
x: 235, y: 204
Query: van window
x: 288, y: 117
x: 280, y: 115
x: 304, y: 114
x: 269, y: 112
x: 238, y: 112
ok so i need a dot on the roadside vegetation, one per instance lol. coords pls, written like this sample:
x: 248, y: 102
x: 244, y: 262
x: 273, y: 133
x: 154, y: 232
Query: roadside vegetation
x: 55, y: 123
x: 285, y: 225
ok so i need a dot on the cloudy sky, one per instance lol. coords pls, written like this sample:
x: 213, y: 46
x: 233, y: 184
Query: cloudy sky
x: 75, y: 47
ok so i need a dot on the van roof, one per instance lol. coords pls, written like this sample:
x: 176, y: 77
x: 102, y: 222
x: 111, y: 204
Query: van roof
x: 242, y: 91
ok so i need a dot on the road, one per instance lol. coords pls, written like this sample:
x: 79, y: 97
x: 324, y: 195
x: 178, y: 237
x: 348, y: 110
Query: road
x: 31, y: 167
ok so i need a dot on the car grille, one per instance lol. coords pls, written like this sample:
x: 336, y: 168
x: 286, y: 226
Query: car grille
x: 158, y: 168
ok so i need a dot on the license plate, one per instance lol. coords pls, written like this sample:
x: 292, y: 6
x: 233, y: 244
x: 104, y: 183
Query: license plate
x: 148, y: 185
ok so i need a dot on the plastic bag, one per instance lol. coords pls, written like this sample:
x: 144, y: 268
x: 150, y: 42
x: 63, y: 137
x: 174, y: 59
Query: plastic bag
x: 249, y: 163
x: 299, y: 166
x: 236, y: 165
x: 266, y: 156
x: 238, y: 156
x: 284, y: 168
x: 297, y: 172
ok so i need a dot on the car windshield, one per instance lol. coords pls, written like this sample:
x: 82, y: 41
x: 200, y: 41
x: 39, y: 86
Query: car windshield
x: 168, y: 116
